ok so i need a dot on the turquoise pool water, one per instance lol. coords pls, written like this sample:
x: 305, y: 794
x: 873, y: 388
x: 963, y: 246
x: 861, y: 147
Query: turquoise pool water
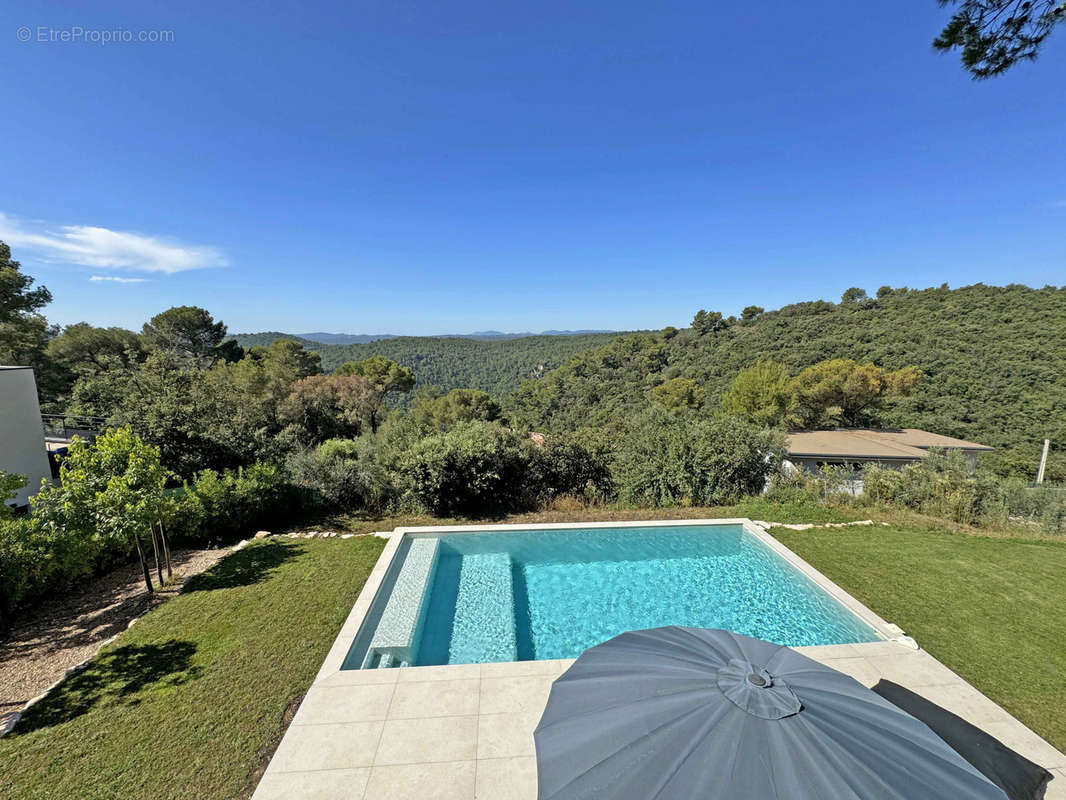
x: 552, y: 594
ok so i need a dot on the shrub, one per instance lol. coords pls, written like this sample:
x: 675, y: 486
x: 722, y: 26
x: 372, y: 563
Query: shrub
x: 667, y: 460
x: 9, y: 486
x: 343, y: 473
x: 796, y: 486
x: 476, y: 467
x: 1043, y: 505
x: 571, y: 466
x: 37, y: 558
x: 222, y: 506
x: 942, y: 484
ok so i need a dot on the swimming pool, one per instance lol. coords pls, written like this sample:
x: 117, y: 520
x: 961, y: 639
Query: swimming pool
x: 517, y: 595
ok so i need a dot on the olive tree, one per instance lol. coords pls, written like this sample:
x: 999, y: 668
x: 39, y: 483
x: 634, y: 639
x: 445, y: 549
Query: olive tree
x: 111, y: 493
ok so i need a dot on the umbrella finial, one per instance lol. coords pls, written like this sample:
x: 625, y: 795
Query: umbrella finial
x: 752, y: 689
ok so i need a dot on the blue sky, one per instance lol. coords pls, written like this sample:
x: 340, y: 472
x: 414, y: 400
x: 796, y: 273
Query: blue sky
x: 413, y: 167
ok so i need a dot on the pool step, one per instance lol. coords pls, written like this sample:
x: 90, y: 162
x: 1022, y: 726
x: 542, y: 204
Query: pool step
x: 396, y: 636
x: 484, y: 625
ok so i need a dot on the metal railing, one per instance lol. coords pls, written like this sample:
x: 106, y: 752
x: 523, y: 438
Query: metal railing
x: 63, y: 427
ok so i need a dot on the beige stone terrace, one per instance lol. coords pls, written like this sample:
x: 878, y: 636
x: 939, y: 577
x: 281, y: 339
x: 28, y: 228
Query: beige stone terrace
x: 462, y: 732
x: 466, y: 731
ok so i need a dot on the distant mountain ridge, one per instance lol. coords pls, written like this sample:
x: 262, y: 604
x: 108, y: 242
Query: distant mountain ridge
x: 345, y: 338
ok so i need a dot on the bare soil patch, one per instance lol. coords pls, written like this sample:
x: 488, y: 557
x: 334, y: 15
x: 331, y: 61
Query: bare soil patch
x: 66, y: 631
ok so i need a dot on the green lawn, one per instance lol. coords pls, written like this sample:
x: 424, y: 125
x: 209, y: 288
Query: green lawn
x: 190, y: 700
x: 992, y: 609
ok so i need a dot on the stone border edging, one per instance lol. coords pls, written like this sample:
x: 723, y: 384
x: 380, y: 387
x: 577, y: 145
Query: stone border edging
x: 806, y: 526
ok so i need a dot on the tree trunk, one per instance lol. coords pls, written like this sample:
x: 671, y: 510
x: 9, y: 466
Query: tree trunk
x: 155, y: 554
x: 144, y: 564
x: 166, y: 549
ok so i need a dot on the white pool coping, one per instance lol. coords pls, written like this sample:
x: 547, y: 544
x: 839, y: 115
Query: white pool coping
x: 464, y: 731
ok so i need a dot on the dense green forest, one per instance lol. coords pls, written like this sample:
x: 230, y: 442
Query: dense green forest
x: 496, y: 366
x: 993, y: 363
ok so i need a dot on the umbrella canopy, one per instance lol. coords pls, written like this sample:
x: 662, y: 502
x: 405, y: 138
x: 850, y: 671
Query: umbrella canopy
x: 672, y: 713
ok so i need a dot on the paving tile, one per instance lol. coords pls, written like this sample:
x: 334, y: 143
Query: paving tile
x: 448, y: 781
x: 359, y: 703
x: 913, y: 669
x: 872, y: 649
x: 965, y: 701
x: 334, y: 784
x: 416, y: 741
x: 1022, y: 740
x: 358, y: 677
x: 506, y: 735
x: 512, y: 669
x: 435, y: 699
x: 1056, y: 789
x: 562, y: 664
x: 315, y: 747
x: 514, y: 695
x: 824, y: 652
x: 447, y: 672
x: 858, y: 668
x: 507, y: 779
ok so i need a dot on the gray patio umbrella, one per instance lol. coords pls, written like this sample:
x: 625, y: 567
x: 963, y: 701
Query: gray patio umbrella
x: 672, y: 713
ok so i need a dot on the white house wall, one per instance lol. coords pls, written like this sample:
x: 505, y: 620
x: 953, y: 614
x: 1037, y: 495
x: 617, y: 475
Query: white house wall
x: 22, y: 448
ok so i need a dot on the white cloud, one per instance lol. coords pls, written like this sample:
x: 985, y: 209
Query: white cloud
x: 114, y: 279
x: 92, y: 246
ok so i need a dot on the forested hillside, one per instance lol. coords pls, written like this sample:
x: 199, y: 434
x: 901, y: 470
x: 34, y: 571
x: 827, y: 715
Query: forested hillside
x: 993, y: 361
x: 266, y: 338
x: 496, y: 366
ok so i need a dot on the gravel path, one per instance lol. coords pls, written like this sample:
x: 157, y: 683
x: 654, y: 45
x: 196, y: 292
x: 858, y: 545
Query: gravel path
x: 66, y: 631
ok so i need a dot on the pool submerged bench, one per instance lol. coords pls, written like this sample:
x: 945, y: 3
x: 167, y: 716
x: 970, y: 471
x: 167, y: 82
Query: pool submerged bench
x: 485, y: 590
x: 396, y: 637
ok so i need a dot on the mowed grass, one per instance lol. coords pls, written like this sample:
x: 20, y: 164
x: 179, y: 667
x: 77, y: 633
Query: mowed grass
x: 190, y: 701
x: 992, y: 609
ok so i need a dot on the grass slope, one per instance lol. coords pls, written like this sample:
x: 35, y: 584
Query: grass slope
x: 991, y: 609
x: 191, y: 699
